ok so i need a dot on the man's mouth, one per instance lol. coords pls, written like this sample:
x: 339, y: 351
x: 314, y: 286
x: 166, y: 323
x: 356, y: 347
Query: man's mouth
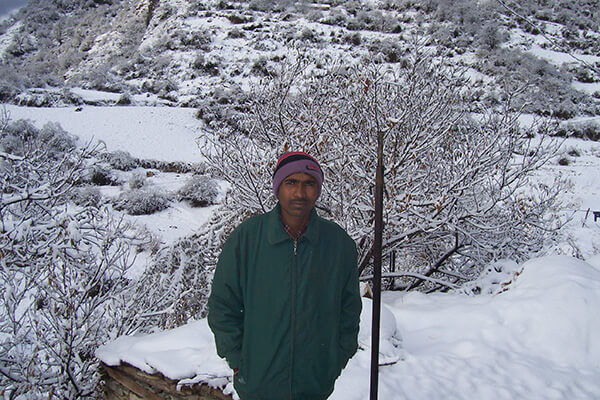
x: 298, y: 202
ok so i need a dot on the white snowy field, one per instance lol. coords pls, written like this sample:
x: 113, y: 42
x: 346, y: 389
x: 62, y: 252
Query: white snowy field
x: 530, y: 334
x: 146, y: 132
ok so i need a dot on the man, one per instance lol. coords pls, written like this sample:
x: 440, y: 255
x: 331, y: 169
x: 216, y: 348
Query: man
x: 285, y: 304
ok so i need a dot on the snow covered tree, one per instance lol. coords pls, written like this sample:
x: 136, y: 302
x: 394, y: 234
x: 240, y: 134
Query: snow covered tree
x: 62, y: 270
x: 455, y: 172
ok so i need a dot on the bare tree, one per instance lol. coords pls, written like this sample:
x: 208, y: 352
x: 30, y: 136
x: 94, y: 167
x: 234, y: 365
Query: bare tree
x: 457, y: 175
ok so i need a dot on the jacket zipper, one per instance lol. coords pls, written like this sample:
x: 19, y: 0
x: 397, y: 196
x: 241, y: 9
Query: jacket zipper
x: 294, y: 277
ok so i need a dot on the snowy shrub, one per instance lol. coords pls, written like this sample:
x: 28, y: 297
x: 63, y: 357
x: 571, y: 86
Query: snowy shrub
x: 60, y: 302
x: 308, y: 34
x: 87, y: 196
x: 175, y: 288
x: 236, y: 33
x: 8, y: 91
x: 583, y: 130
x: 374, y: 20
x: 167, y: 89
x: 270, y: 5
x: 56, y: 140
x: 490, y: 36
x: 225, y: 106
x: 584, y: 74
x: 515, y: 69
x: 120, y: 160
x: 62, y: 280
x: 224, y: 5
x: 199, y: 191
x: 124, y: 100
x: 391, y: 50
x: 209, y: 65
x: 142, y: 201
x: 32, y: 98
x: 564, y: 161
x: 197, y: 39
x: 261, y: 67
x: 173, y: 166
x: 164, y: 11
x: 137, y: 180
x: 314, y: 15
x: 101, y: 175
x: 336, y: 16
x: 353, y: 38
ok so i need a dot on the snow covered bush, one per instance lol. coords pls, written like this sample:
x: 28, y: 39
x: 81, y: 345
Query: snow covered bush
x: 390, y: 49
x: 120, y: 160
x: 453, y: 199
x: 199, y: 191
x: 583, y: 130
x: 336, y: 16
x: 526, y: 76
x: 101, y: 175
x: 141, y: 201
x: 62, y: 270
x: 175, y: 288
x: 270, y: 5
x: 88, y: 196
x: 374, y: 20
x: 137, y: 180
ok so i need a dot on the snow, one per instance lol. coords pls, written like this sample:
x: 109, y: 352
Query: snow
x: 530, y: 333
x: 560, y: 58
x: 536, y: 335
x: 146, y: 132
x: 589, y: 88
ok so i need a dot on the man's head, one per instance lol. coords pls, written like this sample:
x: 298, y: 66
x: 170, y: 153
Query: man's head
x: 297, y: 161
x: 297, y: 182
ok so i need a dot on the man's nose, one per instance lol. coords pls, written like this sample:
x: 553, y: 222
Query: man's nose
x: 300, y: 191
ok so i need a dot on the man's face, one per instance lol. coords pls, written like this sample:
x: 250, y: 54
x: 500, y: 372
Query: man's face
x: 297, y: 195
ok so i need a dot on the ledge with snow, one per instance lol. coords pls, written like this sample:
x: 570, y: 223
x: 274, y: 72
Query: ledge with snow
x: 532, y: 329
x: 181, y: 363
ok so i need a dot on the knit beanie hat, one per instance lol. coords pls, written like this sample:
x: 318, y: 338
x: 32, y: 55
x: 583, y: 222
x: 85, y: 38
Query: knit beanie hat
x: 296, y: 161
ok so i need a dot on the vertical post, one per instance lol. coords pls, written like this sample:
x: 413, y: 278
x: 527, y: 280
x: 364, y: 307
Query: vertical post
x: 393, y: 268
x: 377, y: 244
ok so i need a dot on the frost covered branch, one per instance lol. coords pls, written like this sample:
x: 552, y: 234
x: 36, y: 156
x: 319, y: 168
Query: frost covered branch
x: 455, y: 179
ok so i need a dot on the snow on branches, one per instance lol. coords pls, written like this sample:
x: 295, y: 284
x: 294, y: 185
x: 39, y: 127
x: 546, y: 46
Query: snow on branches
x: 456, y: 173
x: 62, y: 270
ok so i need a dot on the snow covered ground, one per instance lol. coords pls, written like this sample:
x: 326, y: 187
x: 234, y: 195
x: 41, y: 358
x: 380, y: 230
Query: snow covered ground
x: 530, y: 334
x: 145, y: 132
x: 533, y: 337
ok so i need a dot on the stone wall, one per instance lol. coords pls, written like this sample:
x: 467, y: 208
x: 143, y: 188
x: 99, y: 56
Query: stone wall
x: 126, y: 382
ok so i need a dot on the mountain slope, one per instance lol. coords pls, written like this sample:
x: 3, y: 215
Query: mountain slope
x: 189, y: 51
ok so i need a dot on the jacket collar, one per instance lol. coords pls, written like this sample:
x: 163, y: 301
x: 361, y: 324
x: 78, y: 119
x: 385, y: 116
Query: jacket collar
x: 277, y: 233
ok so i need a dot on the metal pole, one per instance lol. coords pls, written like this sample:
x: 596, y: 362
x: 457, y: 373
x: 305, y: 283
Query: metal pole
x: 377, y: 268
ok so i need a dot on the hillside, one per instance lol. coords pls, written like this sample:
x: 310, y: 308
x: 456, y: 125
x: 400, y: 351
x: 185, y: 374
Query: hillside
x: 194, y: 53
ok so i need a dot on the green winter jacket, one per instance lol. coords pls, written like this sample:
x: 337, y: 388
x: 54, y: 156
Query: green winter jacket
x: 286, y: 314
